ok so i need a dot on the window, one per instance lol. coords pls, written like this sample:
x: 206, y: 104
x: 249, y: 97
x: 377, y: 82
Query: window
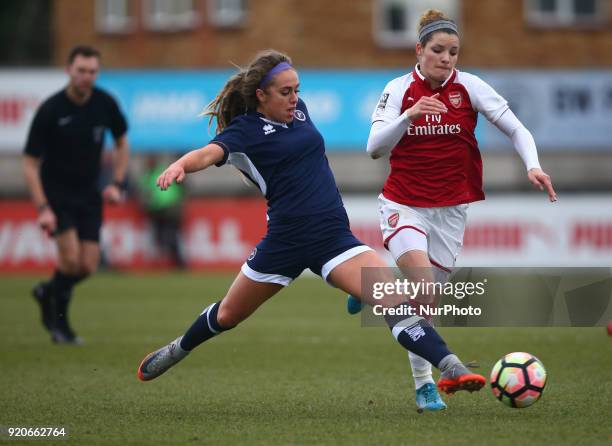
x: 396, y: 22
x: 227, y: 13
x: 114, y: 16
x: 566, y: 13
x: 166, y: 15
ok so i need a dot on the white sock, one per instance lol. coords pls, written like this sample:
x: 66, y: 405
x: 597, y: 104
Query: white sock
x: 421, y: 370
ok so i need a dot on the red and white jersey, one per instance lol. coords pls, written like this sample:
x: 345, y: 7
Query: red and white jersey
x: 437, y: 162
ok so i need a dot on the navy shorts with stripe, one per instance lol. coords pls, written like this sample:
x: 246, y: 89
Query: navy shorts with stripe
x: 292, y: 245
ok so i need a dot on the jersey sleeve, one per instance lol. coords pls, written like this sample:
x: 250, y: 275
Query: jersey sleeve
x: 484, y: 98
x: 38, y: 136
x: 118, y: 123
x: 389, y: 105
x: 231, y: 139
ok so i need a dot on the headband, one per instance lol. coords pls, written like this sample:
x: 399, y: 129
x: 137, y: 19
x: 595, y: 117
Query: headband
x: 273, y: 72
x: 437, y: 26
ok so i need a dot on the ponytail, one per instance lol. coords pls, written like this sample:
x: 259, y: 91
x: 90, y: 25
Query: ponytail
x: 228, y: 104
x: 238, y: 96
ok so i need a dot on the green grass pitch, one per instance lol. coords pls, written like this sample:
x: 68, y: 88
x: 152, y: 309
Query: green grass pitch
x: 300, y: 371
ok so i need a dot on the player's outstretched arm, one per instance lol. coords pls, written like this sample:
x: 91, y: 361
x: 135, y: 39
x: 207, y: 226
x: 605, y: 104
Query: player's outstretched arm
x: 541, y: 180
x: 193, y: 161
x: 525, y: 145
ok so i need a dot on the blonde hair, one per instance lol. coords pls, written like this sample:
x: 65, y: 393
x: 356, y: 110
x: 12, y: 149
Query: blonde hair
x: 430, y: 16
x: 238, y: 95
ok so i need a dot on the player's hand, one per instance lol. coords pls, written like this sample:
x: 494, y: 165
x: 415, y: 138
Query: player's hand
x: 47, y: 221
x: 426, y: 105
x: 174, y: 172
x: 541, y: 180
x: 112, y: 194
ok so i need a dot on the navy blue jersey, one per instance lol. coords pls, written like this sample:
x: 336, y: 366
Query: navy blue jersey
x: 286, y: 162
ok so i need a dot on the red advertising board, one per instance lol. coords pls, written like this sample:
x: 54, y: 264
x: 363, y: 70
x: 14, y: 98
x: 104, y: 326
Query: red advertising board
x: 217, y: 234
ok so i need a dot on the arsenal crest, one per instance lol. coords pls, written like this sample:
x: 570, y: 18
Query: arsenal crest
x: 455, y: 98
x: 393, y: 219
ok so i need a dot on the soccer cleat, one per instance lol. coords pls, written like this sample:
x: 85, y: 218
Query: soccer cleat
x: 428, y: 399
x: 158, y: 362
x: 63, y: 335
x: 43, y: 296
x: 458, y: 377
x: 62, y: 332
x: 353, y: 306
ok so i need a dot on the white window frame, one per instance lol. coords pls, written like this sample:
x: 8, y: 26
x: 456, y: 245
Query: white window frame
x: 160, y: 16
x: 564, y: 15
x: 413, y: 9
x: 227, y: 13
x: 114, y: 16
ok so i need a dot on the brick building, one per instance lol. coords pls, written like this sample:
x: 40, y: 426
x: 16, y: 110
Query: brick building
x: 339, y: 33
x: 495, y: 34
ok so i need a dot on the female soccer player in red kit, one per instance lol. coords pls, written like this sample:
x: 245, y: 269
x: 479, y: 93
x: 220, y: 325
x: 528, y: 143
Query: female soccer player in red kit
x: 426, y: 120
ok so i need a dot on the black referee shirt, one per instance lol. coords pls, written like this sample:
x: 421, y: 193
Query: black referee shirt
x: 69, y: 139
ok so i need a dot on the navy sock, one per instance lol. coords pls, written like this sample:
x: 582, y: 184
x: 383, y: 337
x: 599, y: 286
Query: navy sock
x: 62, y: 283
x: 418, y: 336
x: 205, y: 327
x: 61, y: 286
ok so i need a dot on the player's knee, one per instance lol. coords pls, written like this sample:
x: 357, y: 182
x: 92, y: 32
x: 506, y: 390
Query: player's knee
x: 228, y: 318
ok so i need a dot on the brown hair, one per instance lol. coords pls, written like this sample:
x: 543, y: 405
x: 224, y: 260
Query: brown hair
x: 238, y: 95
x: 82, y: 50
x: 430, y: 16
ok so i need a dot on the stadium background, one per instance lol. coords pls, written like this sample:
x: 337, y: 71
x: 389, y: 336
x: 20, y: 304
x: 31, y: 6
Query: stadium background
x: 301, y: 371
x: 165, y: 60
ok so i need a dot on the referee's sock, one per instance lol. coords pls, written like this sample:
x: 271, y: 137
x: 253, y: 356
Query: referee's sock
x: 62, y: 285
x: 415, y: 334
x: 61, y: 282
x: 205, y: 327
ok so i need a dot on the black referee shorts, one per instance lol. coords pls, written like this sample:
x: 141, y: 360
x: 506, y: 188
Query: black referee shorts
x: 81, y: 213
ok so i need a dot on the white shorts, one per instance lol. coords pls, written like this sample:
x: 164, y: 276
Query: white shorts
x: 436, y: 231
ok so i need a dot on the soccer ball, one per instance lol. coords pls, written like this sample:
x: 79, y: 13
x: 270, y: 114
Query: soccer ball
x: 518, y: 379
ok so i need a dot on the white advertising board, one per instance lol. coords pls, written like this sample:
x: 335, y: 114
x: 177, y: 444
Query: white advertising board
x: 519, y: 230
x: 21, y: 92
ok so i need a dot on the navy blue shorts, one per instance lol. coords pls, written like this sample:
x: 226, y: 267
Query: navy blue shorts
x: 319, y: 242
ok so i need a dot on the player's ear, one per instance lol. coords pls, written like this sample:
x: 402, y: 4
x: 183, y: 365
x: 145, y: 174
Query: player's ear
x: 419, y: 49
x: 261, y: 95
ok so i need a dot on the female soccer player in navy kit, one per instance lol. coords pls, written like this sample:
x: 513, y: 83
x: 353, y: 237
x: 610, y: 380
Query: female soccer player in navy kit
x: 426, y: 121
x: 266, y: 133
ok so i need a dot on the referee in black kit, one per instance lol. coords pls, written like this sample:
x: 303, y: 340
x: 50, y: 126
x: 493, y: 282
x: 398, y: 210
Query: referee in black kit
x: 62, y: 163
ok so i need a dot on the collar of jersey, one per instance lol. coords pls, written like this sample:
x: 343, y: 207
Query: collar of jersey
x: 269, y: 121
x: 422, y: 78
